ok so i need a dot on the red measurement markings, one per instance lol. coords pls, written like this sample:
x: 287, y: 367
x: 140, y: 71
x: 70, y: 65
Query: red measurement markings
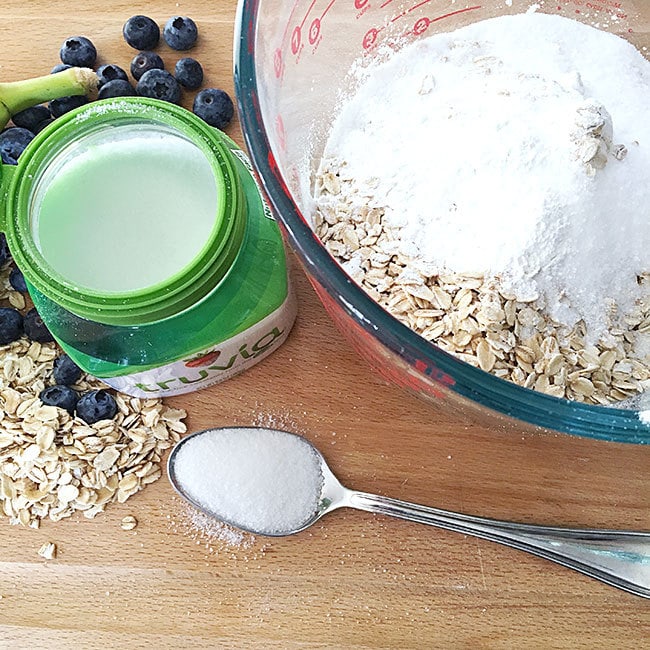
x: 331, y: 4
x: 296, y: 35
x: 369, y: 38
x: 421, y: 25
x: 278, y: 63
x: 433, y: 20
x: 406, y: 11
x: 599, y: 6
x: 314, y: 30
x: 290, y: 20
x: 311, y: 6
x: 296, y: 38
x: 314, y: 27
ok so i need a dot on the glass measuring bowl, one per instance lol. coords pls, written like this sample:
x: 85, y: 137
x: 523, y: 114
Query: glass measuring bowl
x: 292, y: 59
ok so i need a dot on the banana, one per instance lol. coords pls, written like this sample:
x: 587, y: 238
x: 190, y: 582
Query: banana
x: 16, y: 96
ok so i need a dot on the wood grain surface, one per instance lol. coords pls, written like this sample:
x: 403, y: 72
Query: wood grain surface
x: 354, y: 580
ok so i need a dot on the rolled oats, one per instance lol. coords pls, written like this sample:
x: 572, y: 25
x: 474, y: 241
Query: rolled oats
x: 53, y: 464
x: 48, y: 550
x: 128, y: 523
x: 471, y: 316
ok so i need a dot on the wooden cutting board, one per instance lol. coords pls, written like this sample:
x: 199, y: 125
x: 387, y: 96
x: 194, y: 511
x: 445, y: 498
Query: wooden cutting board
x: 355, y: 580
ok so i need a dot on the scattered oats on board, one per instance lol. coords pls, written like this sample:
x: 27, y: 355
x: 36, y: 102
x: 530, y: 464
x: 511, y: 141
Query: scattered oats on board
x: 52, y: 464
x: 128, y: 523
x: 48, y: 550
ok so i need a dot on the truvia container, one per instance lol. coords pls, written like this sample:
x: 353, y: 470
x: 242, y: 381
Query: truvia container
x: 147, y: 248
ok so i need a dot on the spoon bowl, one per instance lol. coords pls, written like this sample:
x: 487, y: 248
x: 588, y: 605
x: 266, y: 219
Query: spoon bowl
x: 620, y: 558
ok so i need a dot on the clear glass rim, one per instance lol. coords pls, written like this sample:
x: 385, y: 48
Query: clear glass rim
x: 499, y: 395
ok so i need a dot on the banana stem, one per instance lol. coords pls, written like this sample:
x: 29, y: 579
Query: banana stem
x: 15, y: 96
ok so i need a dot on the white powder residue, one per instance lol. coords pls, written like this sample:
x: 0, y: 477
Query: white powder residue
x: 518, y: 147
x: 207, y: 531
x: 644, y: 416
x: 261, y: 480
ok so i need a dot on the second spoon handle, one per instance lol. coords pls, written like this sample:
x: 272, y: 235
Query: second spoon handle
x: 617, y: 557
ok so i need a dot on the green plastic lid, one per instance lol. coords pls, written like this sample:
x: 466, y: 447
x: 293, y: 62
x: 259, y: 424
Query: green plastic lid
x: 155, y: 302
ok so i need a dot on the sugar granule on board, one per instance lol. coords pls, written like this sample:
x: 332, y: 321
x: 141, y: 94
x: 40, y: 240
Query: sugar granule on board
x: 205, y: 529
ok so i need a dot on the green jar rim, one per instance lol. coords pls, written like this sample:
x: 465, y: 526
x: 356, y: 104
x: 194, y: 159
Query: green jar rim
x: 158, y: 301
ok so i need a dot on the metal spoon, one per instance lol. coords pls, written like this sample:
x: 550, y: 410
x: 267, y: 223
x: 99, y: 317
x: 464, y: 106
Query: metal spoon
x: 620, y: 558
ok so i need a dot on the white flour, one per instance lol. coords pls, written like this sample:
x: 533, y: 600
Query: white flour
x: 495, y: 149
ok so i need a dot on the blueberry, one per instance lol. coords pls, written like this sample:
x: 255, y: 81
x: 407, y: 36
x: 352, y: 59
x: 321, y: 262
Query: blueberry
x: 159, y: 84
x: 31, y: 117
x: 39, y: 127
x: 5, y: 254
x: 17, y: 280
x: 62, y: 105
x: 180, y: 33
x: 78, y: 50
x: 214, y: 106
x: 13, y: 142
x: 109, y: 72
x: 141, y: 32
x: 11, y: 325
x: 35, y: 328
x: 59, y: 67
x: 189, y: 73
x: 66, y: 371
x: 62, y: 396
x: 96, y: 405
x: 116, y: 88
x: 144, y: 61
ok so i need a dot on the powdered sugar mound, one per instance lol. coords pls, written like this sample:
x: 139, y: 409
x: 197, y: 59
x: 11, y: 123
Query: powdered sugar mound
x: 517, y: 147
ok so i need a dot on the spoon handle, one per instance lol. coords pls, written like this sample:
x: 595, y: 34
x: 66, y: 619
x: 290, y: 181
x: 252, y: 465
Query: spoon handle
x: 617, y: 557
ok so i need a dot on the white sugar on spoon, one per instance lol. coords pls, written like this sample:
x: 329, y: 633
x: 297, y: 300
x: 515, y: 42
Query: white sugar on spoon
x: 260, y: 480
x: 276, y: 483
